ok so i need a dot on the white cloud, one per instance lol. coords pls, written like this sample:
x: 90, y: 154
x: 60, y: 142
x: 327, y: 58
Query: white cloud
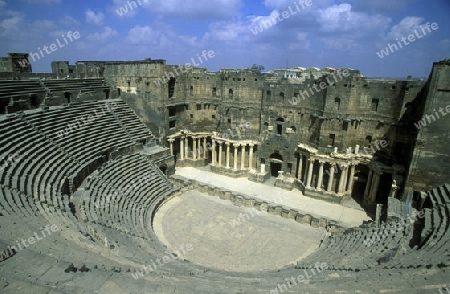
x: 405, y: 27
x: 143, y: 35
x: 282, y: 4
x: 94, y: 18
x: 341, y: 18
x: 11, y: 25
x: 2, y: 3
x: 199, y: 9
x: 69, y: 21
x: 160, y: 37
x: 103, y: 36
x: 227, y: 31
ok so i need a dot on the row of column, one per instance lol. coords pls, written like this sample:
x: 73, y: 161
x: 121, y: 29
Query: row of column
x: 198, y: 151
x: 346, y: 177
x: 241, y: 146
x: 373, y: 180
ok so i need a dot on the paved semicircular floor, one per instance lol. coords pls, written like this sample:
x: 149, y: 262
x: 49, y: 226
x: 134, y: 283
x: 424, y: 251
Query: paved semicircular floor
x: 262, y: 242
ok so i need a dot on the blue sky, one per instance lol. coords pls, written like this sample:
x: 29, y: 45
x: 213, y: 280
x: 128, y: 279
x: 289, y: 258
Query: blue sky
x: 335, y: 33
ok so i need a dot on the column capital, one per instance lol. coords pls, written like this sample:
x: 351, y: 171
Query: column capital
x: 171, y: 140
x: 344, y: 165
x: 227, y: 143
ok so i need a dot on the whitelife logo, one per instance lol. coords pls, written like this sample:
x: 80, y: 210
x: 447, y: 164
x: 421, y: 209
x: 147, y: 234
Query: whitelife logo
x: 285, y: 15
x: 411, y: 38
x: 35, y: 56
x: 12, y: 250
x: 183, y: 69
x: 166, y: 259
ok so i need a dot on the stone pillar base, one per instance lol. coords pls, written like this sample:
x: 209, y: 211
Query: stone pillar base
x: 254, y: 176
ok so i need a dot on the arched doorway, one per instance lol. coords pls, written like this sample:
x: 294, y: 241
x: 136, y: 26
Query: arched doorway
x: 276, y: 161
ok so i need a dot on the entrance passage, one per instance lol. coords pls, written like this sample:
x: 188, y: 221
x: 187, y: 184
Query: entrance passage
x: 276, y: 160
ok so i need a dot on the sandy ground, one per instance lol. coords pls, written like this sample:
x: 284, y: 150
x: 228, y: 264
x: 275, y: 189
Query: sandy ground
x: 262, y: 242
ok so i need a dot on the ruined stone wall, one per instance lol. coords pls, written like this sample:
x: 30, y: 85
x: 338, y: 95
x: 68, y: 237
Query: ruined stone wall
x: 351, y: 111
x: 5, y: 65
x: 430, y: 164
x: 16, y: 63
x: 135, y: 83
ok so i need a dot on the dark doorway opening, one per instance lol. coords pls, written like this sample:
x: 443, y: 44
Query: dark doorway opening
x: 280, y: 122
x: 384, y: 188
x: 171, y: 87
x: 3, y: 104
x: 106, y: 93
x: 276, y: 161
x: 34, y: 100
x: 67, y: 96
x: 163, y: 168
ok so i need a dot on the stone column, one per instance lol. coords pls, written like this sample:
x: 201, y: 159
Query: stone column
x: 368, y: 184
x: 204, y: 148
x: 235, y: 157
x: 194, y: 148
x: 250, y: 161
x: 351, y: 179
x: 243, y: 156
x: 181, y: 148
x: 228, y: 154
x: 171, y: 145
x: 331, y: 178
x: 186, y: 147
x: 220, y: 153
x: 342, y: 179
x: 300, y: 167
x: 213, y: 163
x: 378, y: 211
x: 374, y: 189
x: 319, y: 181
x: 310, y: 171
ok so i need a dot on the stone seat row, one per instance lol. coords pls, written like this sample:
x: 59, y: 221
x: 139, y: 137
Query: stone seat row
x: 128, y: 117
x: 45, y: 165
x: 131, y: 203
x: 88, y: 140
x: 13, y: 201
x: 436, y: 249
x: 394, y: 251
x: 359, y: 248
